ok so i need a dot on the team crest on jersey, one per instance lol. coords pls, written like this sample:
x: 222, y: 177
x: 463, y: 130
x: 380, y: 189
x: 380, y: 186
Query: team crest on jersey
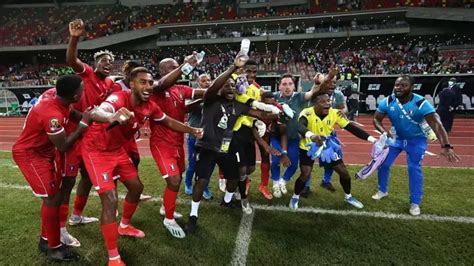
x: 112, y: 98
x: 167, y: 94
x: 328, y: 122
x: 72, y: 167
x: 105, y: 176
x: 392, y: 108
x: 54, y: 124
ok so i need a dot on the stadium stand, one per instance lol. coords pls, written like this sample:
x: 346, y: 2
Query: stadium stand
x: 47, y: 25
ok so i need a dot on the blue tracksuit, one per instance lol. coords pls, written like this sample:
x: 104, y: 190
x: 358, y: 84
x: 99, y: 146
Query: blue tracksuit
x: 293, y: 155
x: 410, y: 138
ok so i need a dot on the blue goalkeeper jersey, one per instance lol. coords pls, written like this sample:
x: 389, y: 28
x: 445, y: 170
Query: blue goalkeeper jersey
x: 406, y: 122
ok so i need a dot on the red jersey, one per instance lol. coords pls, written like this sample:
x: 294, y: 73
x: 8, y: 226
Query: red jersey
x: 47, y: 117
x: 98, y: 138
x: 95, y: 89
x: 95, y: 92
x: 50, y: 93
x: 173, y: 101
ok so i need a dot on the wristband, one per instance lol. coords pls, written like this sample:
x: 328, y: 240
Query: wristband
x: 371, y: 139
x: 448, y: 146
x: 283, y: 152
x: 83, y: 124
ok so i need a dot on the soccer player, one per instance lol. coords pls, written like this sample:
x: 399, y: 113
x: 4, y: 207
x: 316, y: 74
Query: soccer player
x: 243, y: 141
x: 297, y: 101
x: 166, y: 145
x: 276, y: 129
x: 123, y: 85
x: 35, y: 154
x: 105, y: 156
x: 316, y: 123
x: 337, y: 102
x: 194, y: 120
x: 97, y: 86
x: 220, y: 113
x: 407, y: 111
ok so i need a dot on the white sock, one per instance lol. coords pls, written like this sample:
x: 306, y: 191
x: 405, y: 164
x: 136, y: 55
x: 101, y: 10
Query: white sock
x: 347, y: 195
x: 282, y: 181
x: 123, y: 225
x: 228, y: 196
x: 63, y: 230
x: 296, y: 196
x: 194, y: 208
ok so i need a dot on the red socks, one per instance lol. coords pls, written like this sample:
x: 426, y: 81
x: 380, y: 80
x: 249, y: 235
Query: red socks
x: 221, y: 173
x: 50, y: 222
x: 63, y: 212
x: 110, y: 234
x: 128, y: 211
x: 79, y: 204
x: 264, y: 174
x: 43, y: 231
x: 169, y: 201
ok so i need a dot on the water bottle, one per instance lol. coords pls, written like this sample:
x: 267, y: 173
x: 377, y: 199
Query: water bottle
x: 200, y: 57
x: 187, y: 68
x: 245, y: 46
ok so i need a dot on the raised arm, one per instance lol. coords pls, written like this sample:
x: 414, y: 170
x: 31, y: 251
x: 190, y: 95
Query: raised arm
x: 322, y: 83
x: 446, y: 148
x: 170, y: 79
x: 76, y: 30
x: 239, y: 61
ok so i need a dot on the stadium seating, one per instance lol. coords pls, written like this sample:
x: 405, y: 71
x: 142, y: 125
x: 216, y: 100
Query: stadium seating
x: 45, y: 25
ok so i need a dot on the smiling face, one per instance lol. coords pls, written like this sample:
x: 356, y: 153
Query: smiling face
x: 286, y: 86
x: 402, y: 87
x: 142, y: 86
x: 322, y: 103
x: 103, y: 65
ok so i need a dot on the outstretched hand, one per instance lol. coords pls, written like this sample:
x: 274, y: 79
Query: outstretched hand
x: 450, y: 155
x: 240, y: 59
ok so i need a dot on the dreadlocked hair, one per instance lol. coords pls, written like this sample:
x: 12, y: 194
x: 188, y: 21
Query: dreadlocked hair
x: 101, y: 53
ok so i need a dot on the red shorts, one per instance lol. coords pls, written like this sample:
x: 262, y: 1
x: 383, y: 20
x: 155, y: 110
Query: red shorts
x: 103, y: 166
x: 40, y: 172
x: 170, y: 159
x: 132, y: 150
x: 72, y: 159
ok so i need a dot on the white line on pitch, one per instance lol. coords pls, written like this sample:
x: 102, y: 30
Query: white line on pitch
x: 242, y: 242
x: 424, y: 217
x: 387, y: 215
